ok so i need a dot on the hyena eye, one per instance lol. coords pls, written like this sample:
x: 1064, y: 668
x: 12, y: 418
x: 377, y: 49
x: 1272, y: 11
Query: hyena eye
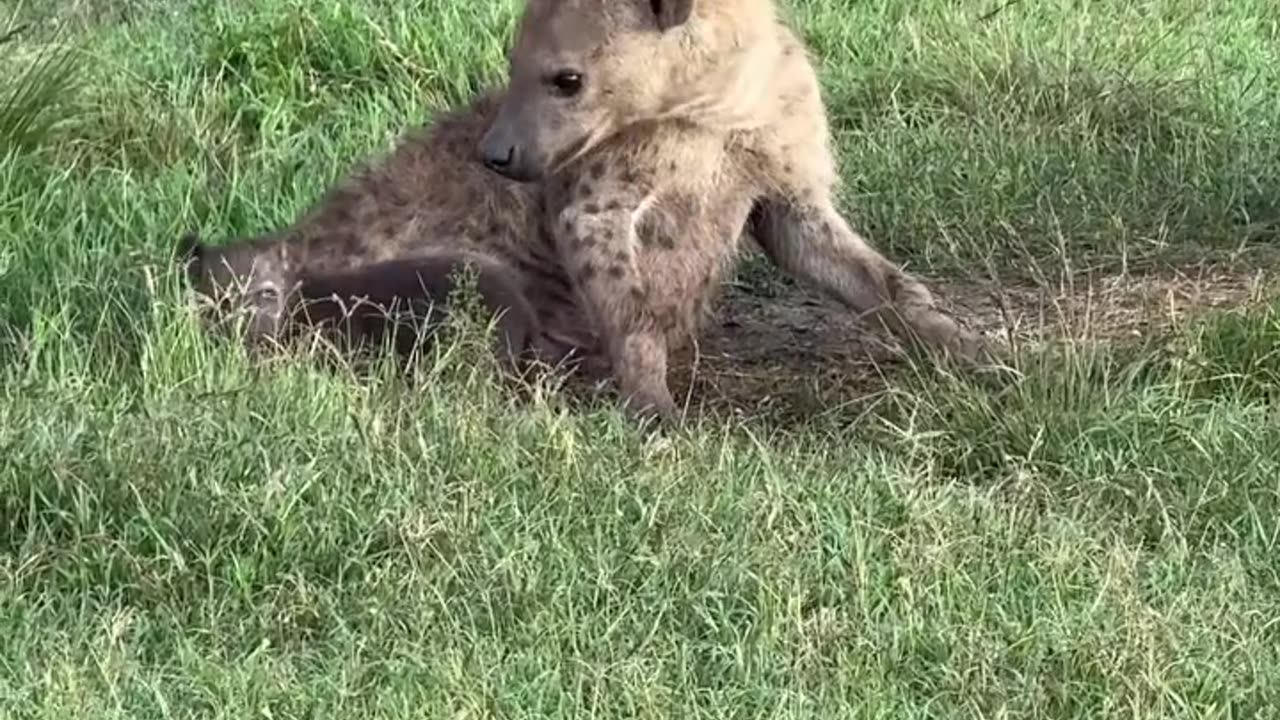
x: 567, y: 83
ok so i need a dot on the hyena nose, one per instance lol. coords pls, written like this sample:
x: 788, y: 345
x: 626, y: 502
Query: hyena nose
x: 498, y: 157
x: 501, y: 152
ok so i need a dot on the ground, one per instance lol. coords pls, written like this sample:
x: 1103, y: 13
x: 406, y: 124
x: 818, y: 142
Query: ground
x: 189, y: 532
x: 786, y: 351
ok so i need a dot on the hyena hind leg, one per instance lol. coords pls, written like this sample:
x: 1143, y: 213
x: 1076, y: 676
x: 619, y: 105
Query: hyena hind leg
x: 812, y: 242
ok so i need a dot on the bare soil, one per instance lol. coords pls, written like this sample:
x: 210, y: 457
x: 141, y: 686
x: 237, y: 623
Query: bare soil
x: 788, y: 351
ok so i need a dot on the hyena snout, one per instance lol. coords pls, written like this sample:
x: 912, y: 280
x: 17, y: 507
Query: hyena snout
x: 502, y: 151
x: 513, y: 146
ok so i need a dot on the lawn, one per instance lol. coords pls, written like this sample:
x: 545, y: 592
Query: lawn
x: 185, y: 532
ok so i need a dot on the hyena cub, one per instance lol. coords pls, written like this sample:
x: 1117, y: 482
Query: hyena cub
x: 402, y: 299
x: 661, y: 130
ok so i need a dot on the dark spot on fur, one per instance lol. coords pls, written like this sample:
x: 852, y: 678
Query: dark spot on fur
x: 587, y: 242
x: 586, y: 272
x: 342, y: 214
x: 638, y: 293
x: 591, y: 208
x: 788, y: 168
x: 672, y: 167
x: 666, y: 242
x: 629, y: 177
x: 617, y: 271
x: 351, y: 243
x: 495, y: 229
x: 545, y: 237
x: 585, y: 190
x: 607, y: 234
x: 597, y: 170
x: 613, y: 205
x: 620, y: 256
x: 544, y: 273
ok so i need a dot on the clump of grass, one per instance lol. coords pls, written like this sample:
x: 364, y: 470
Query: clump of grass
x: 34, y: 88
x: 1236, y: 354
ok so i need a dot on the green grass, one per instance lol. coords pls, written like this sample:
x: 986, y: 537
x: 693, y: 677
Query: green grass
x: 185, y: 533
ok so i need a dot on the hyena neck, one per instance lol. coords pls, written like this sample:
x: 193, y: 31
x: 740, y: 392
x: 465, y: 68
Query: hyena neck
x: 728, y: 69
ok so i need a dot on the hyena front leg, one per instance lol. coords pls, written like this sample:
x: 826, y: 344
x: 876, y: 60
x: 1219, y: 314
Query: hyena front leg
x: 597, y: 244
x: 811, y: 240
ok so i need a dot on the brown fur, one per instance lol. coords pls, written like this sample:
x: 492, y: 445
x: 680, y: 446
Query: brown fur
x: 397, y: 299
x: 427, y: 198
x: 664, y: 129
x: 404, y: 298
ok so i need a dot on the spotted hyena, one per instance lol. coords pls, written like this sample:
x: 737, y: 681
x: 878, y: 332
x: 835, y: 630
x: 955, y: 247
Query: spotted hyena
x: 661, y: 130
x: 401, y: 299
x: 395, y: 229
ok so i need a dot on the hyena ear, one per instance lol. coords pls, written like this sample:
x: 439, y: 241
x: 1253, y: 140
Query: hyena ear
x: 671, y: 13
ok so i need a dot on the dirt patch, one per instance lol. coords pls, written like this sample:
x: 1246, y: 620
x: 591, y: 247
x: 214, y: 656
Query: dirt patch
x: 793, y: 352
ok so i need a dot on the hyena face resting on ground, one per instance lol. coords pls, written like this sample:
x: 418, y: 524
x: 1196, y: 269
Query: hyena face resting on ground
x: 661, y: 130
x: 401, y: 299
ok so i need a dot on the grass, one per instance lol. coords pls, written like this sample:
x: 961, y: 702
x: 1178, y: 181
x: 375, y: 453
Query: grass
x: 185, y: 533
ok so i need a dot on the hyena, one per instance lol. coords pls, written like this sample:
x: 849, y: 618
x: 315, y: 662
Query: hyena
x: 391, y: 229
x: 401, y: 299
x: 661, y: 130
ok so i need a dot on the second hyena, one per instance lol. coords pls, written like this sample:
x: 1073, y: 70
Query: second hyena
x: 394, y: 230
x: 401, y: 299
x: 661, y: 130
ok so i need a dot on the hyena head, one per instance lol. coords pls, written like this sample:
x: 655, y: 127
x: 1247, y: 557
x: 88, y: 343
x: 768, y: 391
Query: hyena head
x: 248, y: 280
x: 579, y: 71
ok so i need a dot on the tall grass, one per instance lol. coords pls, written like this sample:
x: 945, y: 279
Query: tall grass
x: 31, y: 93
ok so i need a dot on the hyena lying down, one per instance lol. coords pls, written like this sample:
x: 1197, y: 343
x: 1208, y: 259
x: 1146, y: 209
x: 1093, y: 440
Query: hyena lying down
x: 395, y: 230
x: 660, y: 130
x: 402, y: 300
